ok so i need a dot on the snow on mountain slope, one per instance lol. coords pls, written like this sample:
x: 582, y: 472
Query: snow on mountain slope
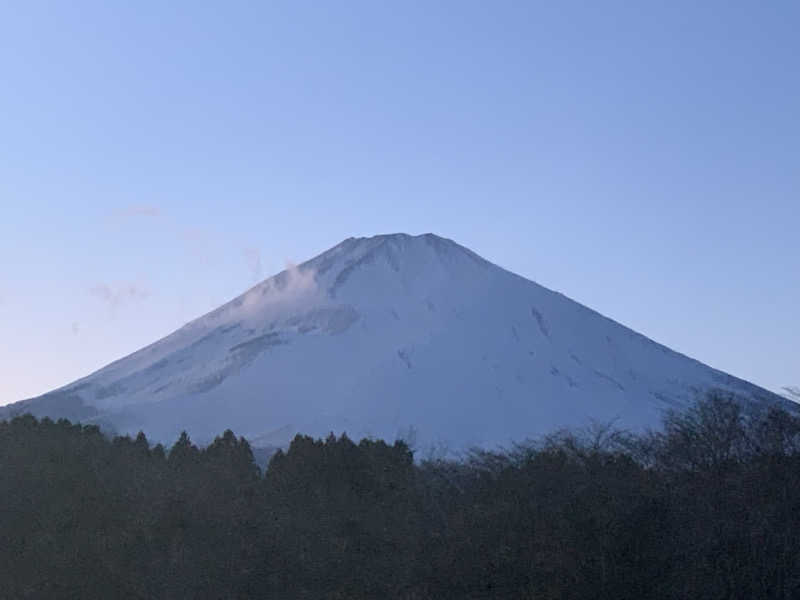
x: 791, y: 392
x: 391, y: 336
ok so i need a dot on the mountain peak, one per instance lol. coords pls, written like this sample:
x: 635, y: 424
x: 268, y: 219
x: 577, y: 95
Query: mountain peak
x: 384, y: 335
x: 355, y: 248
x: 400, y: 237
x: 396, y: 255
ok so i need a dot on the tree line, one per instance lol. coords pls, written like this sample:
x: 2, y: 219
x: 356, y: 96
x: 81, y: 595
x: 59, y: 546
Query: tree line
x: 708, y: 506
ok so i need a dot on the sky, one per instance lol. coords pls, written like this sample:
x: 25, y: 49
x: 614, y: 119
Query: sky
x: 158, y: 158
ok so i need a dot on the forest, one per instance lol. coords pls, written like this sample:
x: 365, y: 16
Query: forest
x: 708, y: 506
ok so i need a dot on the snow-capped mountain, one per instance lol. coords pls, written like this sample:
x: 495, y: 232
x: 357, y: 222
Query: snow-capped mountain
x: 391, y: 336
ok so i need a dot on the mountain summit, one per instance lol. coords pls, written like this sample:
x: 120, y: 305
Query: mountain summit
x: 387, y: 336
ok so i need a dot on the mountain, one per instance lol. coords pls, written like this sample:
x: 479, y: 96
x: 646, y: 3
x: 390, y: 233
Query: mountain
x: 387, y: 336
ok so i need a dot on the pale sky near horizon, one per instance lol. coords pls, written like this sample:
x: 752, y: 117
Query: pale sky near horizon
x: 156, y: 159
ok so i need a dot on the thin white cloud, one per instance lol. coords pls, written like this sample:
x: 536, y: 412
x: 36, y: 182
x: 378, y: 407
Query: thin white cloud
x: 252, y: 257
x: 119, y: 295
x: 291, y: 287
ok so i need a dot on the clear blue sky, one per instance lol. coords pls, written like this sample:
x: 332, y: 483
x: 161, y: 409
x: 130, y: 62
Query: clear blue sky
x: 156, y: 158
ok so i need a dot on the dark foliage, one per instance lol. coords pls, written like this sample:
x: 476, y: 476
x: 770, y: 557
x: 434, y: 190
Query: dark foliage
x: 709, y: 507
